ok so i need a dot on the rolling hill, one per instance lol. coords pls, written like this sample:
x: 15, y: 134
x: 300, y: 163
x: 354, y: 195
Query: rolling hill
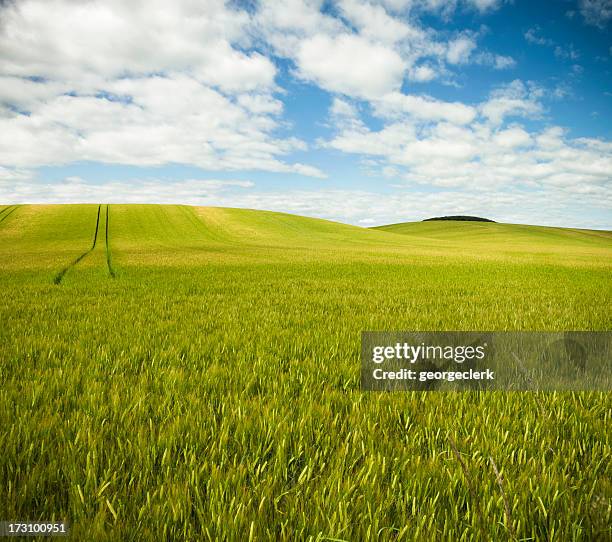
x: 494, y: 232
x: 54, y: 234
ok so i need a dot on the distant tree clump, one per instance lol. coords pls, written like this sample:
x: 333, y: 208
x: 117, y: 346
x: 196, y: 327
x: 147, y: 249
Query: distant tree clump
x: 467, y: 218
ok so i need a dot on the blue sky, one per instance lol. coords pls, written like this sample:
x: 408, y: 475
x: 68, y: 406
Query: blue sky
x: 366, y: 112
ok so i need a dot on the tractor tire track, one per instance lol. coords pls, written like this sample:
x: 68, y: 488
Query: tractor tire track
x: 58, y: 278
x: 4, y: 215
x: 109, y: 258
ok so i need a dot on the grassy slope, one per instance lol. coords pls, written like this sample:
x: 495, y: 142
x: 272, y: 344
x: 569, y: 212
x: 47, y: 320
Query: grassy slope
x: 211, y: 388
x: 468, y: 231
x: 509, y: 239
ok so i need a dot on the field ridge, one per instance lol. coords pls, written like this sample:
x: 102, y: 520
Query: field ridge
x: 58, y: 278
x: 109, y: 258
x: 4, y: 209
x: 12, y: 208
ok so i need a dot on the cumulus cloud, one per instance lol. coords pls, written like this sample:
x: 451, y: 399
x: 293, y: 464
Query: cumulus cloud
x: 422, y: 73
x: 512, y: 138
x: 343, y: 109
x: 330, y: 62
x: 396, y: 104
x: 473, y: 148
x: 129, y: 83
x: 149, y: 122
x: 85, y: 41
x: 479, y: 158
x: 514, y: 99
x: 460, y: 49
x: 125, y: 82
x: 375, y: 23
x: 388, y: 38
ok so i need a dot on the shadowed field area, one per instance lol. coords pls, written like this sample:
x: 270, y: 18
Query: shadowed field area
x: 194, y: 374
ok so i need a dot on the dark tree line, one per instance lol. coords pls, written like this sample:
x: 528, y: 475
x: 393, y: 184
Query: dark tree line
x: 460, y: 217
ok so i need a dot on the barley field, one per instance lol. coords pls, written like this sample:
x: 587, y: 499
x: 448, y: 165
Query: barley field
x: 184, y: 373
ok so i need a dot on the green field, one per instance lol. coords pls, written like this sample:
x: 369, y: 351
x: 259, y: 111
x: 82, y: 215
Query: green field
x: 183, y: 373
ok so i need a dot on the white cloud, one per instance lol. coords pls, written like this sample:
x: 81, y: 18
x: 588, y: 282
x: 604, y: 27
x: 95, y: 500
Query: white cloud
x: 512, y: 137
x: 342, y: 108
x: 498, y: 108
x: 478, y: 158
x: 125, y: 83
x: 460, y: 49
x: 485, y: 5
x: 498, y: 62
x: 87, y: 41
x: 422, y: 73
x: 285, y: 23
x: 300, y: 31
x: 396, y: 104
x: 149, y: 129
x: 260, y: 104
x: 331, y: 63
x: 129, y: 83
x: 447, y: 8
x: 472, y: 149
x: 533, y: 35
x: 21, y: 94
x: 514, y: 99
x: 303, y: 16
x: 13, y: 174
x: 387, y: 37
x: 596, y: 12
x: 71, y: 189
x: 397, y: 6
x: 503, y: 62
x: 374, y: 23
x: 568, y: 52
